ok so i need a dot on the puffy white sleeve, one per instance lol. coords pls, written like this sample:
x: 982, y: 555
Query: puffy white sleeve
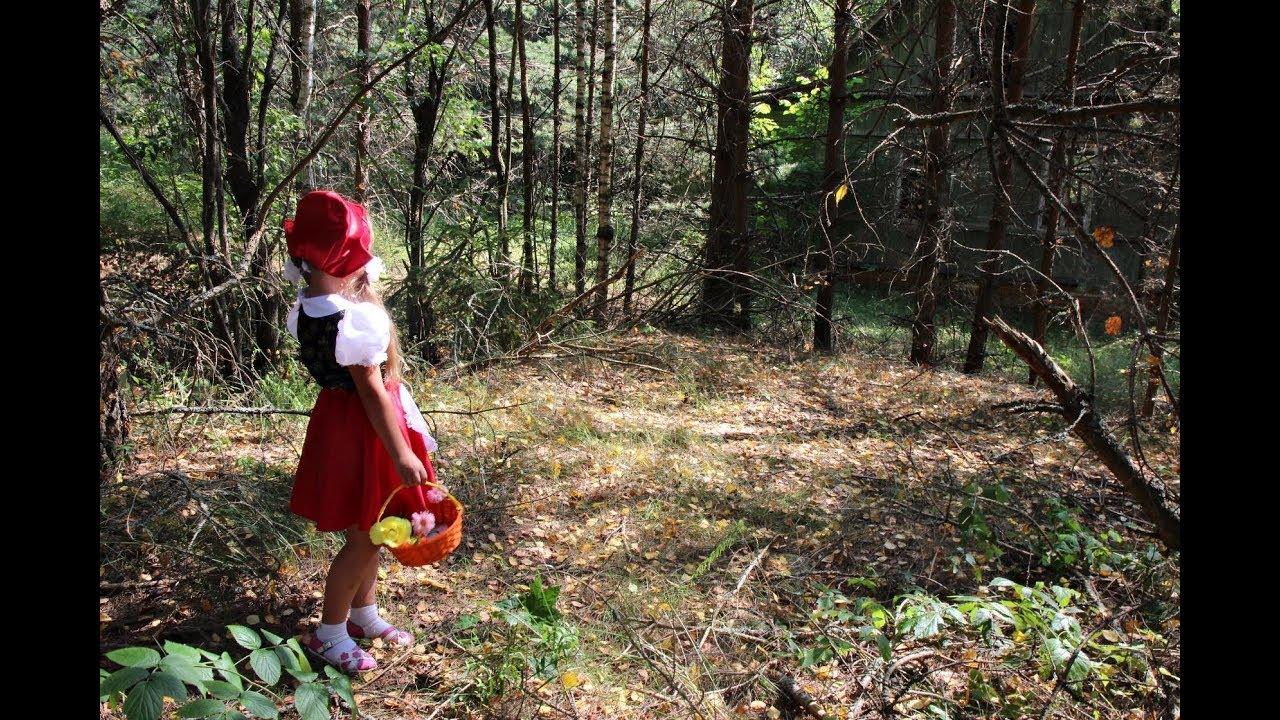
x: 364, y: 333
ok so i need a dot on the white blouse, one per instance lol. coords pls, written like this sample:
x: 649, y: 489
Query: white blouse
x: 364, y: 334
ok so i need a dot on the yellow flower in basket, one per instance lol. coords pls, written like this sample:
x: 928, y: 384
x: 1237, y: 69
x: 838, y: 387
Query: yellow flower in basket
x: 392, y: 532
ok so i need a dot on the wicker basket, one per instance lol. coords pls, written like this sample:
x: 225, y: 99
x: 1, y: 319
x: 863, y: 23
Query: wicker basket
x: 420, y: 551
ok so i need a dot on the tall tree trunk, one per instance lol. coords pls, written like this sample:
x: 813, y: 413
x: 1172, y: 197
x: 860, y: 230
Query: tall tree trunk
x: 727, y: 242
x: 113, y: 417
x: 495, y: 133
x: 1057, y: 176
x: 261, y: 316
x: 1003, y: 171
x: 832, y: 178
x: 504, y: 182
x: 364, y: 40
x: 580, y: 147
x: 604, y: 197
x: 935, y: 230
x: 1155, y: 365
x: 527, y: 157
x: 426, y: 112
x: 641, y: 128
x: 302, y: 23
x: 555, y: 147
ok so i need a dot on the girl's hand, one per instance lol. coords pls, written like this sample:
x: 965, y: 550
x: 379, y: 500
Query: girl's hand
x: 411, y: 470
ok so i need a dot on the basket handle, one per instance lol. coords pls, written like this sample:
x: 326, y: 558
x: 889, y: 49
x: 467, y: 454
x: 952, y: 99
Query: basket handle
x: 402, y: 486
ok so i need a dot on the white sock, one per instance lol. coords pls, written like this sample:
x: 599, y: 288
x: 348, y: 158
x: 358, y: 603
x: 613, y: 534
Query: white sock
x: 373, y: 624
x: 336, y: 634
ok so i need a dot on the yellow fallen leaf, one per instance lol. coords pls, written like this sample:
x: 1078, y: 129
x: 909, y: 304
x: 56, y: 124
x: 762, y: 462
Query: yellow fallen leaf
x: 570, y: 679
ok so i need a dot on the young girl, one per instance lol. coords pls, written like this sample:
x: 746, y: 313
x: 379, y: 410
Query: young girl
x: 365, y: 436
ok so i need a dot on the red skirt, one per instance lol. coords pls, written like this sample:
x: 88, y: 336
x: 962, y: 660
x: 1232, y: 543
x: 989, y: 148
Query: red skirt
x: 345, y: 473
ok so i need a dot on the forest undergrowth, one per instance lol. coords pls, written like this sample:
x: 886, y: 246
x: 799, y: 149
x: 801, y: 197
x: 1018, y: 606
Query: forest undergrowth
x: 678, y: 530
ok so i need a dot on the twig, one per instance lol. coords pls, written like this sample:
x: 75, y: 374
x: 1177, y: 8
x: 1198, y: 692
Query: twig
x: 742, y: 579
x: 215, y: 411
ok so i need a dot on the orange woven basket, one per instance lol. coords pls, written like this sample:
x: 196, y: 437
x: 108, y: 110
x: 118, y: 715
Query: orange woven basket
x: 428, y: 551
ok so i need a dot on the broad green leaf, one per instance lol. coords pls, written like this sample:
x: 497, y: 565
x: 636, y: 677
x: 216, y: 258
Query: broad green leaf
x: 1080, y: 668
x: 763, y: 109
x: 144, y: 702
x: 182, y: 669
x: 227, y: 669
x: 285, y: 656
x: 259, y: 705
x: 178, y: 650
x: 135, y: 657
x: 203, y: 707
x: 303, y: 675
x: 342, y: 686
x: 312, y: 701
x: 886, y: 651
x: 303, y: 663
x: 246, y: 637
x: 122, y: 679
x: 265, y: 663
x: 222, y: 690
x: 170, y: 686
x: 466, y: 621
x: 234, y: 715
x: 272, y: 637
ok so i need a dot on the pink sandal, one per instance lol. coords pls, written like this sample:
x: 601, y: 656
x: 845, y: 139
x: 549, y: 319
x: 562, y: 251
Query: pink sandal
x: 392, y: 635
x: 353, y: 661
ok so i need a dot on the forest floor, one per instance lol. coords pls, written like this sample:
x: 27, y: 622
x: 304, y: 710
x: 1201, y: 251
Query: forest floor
x: 716, y: 517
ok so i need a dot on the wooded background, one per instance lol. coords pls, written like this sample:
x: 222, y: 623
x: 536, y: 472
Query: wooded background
x: 546, y: 171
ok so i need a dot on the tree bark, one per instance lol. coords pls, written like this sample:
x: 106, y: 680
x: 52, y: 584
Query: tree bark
x: 555, y: 147
x: 725, y: 291
x: 641, y: 128
x: 364, y: 40
x: 935, y: 231
x: 495, y: 135
x: 1003, y: 170
x: 1077, y: 408
x: 604, y: 196
x: 832, y: 179
x: 527, y: 152
x: 580, y: 147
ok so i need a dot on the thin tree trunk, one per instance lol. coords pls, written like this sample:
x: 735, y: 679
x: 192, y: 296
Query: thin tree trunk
x: 832, y: 178
x: 935, y: 231
x: 364, y: 40
x: 113, y: 420
x: 495, y: 131
x: 997, y: 228
x: 555, y: 147
x: 1057, y: 175
x: 504, y: 182
x: 604, y: 197
x: 1156, y: 364
x: 727, y: 242
x: 1077, y: 408
x: 580, y: 147
x: 302, y: 21
x: 527, y: 156
x: 641, y: 128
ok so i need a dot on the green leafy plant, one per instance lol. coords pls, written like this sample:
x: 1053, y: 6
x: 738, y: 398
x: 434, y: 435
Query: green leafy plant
x: 525, y: 635
x: 205, y: 684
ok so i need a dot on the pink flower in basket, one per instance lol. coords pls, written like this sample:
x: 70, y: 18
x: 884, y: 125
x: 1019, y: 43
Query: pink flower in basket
x: 435, y: 496
x: 423, y: 522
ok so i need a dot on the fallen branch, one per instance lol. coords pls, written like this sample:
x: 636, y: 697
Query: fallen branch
x: 217, y: 411
x: 794, y: 693
x: 1150, y: 492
